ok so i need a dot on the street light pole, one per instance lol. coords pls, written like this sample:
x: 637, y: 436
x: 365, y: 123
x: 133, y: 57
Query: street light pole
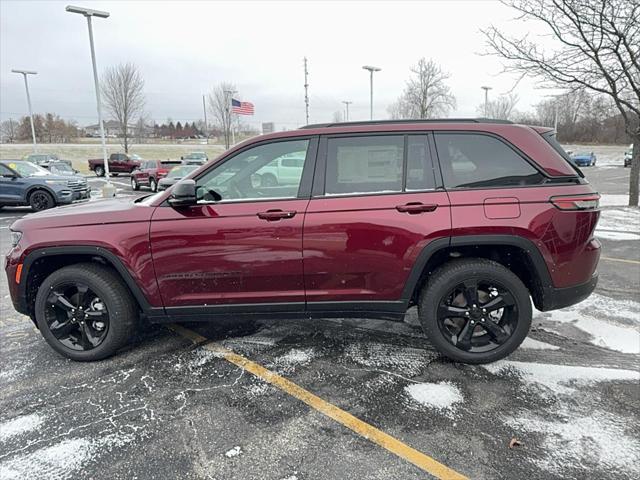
x: 347, y: 103
x: 206, y: 129
x: 371, y: 70
x: 24, y: 73
x: 108, y: 190
x: 486, y: 100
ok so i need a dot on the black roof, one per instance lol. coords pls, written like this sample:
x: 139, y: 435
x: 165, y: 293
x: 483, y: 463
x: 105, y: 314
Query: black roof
x: 421, y: 120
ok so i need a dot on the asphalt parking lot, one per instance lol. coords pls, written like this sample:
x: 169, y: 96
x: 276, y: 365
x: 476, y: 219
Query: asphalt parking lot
x: 181, y: 405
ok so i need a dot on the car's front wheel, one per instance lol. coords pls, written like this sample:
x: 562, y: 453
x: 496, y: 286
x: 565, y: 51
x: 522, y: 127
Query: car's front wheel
x: 99, y: 171
x: 475, y: 311
x: 153, y: 184
x: 41, y: 200
x: 85, y: 312
x: 134, y: 184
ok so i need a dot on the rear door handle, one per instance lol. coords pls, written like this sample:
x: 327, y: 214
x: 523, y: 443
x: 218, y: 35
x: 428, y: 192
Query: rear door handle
x: 416, y: 207
x: 273, y: 215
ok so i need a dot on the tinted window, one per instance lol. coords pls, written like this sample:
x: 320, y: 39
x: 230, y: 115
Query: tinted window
x: 420, y: 175
x: 474, y: 160
x: 364, y: 164
x: 255, y: 173
x: 5, y: 171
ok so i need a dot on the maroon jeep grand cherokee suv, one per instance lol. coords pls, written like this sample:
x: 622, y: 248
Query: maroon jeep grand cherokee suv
x: 467, y: 219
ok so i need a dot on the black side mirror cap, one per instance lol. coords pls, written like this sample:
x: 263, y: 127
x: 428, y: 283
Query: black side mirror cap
x: 183, y: 194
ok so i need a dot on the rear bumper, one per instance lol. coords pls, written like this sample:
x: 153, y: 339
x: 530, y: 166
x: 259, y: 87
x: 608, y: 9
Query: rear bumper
x: 556, y: 298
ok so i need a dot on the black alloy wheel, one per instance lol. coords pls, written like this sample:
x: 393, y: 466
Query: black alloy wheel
x: 41, y: 200
x: 477, y: 316
x: 475, y: 310
x: 76, y: 316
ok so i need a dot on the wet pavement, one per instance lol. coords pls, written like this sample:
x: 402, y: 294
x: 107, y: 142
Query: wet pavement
x: 167, y: 408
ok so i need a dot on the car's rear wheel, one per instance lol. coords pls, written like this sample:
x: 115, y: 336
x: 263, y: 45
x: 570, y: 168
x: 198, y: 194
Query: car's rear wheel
x: 85, y: 312
x: 134, y: 184
x: 99, y: 171
x: 153, y: 184
x: 268, y: 180
x: 41, y: 200
x: 475, y: 311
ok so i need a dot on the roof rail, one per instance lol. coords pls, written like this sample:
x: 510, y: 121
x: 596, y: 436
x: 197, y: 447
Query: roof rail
x: 396, y: 122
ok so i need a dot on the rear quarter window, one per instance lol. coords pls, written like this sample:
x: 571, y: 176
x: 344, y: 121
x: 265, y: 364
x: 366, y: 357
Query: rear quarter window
x: 470, y: 160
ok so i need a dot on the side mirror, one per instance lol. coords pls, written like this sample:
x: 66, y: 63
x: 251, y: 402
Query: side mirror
x: 183, y: 194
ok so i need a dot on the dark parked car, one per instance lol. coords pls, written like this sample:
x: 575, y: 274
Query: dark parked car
x: 60, y: 168
x: 118, y: 163
x: 628, y: 156
x: 195, y: 158
x: 150, y: 173
x: 584, y: 159
x: 472, y: 221
x: 43, y: 159
x: 24, y: 183
x: 175, y: 174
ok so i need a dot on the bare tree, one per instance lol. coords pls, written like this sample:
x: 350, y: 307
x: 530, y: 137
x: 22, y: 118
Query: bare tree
x: 337, y: 117
x: 502, y: 108
x: 122, y: 90
x: 596, y: 47
x: 220, y: 108
x: 9, y: 130
x: 426, y: 94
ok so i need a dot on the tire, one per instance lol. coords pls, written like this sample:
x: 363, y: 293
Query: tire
x: 153, y: 185
x: 99, y: 171
x: 485, y: 342
x: 114, y: 174
x: 268, y: 180
x: 41, y: 200
x: 134, y: 184
x: 110, y: 293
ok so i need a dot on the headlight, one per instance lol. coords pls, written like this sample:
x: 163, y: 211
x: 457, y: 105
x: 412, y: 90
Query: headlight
x: 57, y: 182
x: 15, y: 238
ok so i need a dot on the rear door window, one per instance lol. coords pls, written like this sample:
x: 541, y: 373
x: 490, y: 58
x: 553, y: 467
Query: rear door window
x: 470, y: 160
x: 367, y: 164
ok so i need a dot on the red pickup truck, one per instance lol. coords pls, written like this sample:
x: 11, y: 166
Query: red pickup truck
x: 118, y: 163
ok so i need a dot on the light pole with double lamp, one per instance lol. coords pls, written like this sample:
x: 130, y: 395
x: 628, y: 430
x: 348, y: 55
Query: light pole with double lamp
x: 371, y: 70
x: 24, y: 73
x: 109, y: 189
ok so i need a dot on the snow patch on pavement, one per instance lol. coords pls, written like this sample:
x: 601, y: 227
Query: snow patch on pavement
x: 561, y: 379
x: 611, y: 323
x: 297, y: 356
x: 614, y: 200
x: 62, y: 460
x: 409, y: 361
x: 441, y: 396
x: 614, y: 235
x: 598, y: 440
x: 532, y: 344
x: 20, y: 425
x: 234, y: 452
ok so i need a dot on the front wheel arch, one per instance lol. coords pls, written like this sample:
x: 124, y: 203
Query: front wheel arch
x: 39, y: 264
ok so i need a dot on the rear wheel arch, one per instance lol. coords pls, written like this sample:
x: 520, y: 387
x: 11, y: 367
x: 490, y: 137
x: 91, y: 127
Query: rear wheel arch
x: 518, y: 254
x: 41, y: 263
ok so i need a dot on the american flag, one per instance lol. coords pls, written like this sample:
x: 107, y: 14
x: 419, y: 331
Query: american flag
x: 241, y: 108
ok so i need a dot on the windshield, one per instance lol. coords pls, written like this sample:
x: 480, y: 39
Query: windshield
x: 179, y: 172
x: 582, y: 154
x: 133, y: 156
x: 28, y: 169
x: 196, y: 156
x: 61, y: 167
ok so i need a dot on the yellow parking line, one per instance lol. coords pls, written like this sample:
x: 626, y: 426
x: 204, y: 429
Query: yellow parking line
x: 623, y: 260
x: 369, y: 432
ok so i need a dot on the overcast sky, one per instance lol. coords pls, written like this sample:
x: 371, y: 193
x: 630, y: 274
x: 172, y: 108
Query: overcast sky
x: 184, y: 48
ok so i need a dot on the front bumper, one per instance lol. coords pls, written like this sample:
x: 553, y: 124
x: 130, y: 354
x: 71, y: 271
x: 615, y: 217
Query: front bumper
x: 82, y: 194
x: 556, y: 298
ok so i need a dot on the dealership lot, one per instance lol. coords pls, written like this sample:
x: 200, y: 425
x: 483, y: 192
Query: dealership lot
x: 570, y: 394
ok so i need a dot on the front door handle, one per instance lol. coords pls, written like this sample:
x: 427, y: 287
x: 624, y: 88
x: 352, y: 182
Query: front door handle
x: 273, y: 215
x: 416, y: 207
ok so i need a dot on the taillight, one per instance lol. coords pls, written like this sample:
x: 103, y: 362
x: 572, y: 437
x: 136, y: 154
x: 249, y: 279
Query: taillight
x: 576, y: 202
x: 163, y: 171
